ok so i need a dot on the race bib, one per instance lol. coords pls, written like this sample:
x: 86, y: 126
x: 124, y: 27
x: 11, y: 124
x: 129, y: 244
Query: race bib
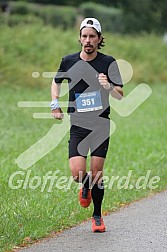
x: 88, y: 101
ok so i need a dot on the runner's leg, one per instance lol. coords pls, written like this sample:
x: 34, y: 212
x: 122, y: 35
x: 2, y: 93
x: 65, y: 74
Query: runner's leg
x: 96, y: 168
x: 78, y: 168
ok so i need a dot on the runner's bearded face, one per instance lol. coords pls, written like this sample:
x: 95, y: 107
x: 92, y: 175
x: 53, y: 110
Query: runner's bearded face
x: 89, y: 40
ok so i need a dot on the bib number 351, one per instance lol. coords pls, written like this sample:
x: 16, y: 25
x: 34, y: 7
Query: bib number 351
x: 88, y: 101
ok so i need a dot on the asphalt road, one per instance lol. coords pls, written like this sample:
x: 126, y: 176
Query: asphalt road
x: 139, y: 227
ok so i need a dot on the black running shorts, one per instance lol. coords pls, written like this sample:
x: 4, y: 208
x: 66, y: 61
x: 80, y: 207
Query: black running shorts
x: 95, y: 139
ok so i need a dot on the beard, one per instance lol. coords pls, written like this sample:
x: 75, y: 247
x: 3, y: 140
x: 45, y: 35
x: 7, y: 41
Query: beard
x: 89, y: 49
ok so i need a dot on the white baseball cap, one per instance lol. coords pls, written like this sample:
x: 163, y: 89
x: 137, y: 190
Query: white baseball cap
x: 91, y: 22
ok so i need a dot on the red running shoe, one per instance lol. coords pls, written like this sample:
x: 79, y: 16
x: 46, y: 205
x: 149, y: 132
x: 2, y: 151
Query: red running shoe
x: 85, y: 197
x: 98, y: 224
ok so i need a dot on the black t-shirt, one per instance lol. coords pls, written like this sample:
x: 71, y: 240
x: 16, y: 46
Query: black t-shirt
x: 82, y: 78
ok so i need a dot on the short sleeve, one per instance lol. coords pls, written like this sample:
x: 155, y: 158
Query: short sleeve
x: 114, y: 74
x: 61, y: 73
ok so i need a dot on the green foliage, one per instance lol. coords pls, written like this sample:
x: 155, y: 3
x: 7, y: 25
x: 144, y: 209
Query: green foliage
x: 35, y: 48
x: 17, y: 19
x: 57, y: 16
x: 20, y: 8
x: 23, y: 12
x: 111, y: 18
x: 144, y: 15
x: 40, y: 48
x: 117, y: 16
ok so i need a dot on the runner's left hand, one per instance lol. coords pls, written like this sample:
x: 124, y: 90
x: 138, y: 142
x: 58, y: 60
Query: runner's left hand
x: 104, y: 81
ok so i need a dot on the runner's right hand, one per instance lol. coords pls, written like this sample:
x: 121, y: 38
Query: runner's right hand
x: 57, y: 113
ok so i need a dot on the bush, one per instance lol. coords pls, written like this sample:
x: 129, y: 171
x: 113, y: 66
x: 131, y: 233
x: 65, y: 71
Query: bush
x: 21, y: 8
x: 111, y: 18
x: 145, y: 16
x: 22, y: 19
x: 63, y: 16
x: 57, y: 15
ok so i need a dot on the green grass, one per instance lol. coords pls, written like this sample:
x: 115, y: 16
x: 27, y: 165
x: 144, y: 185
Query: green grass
x: 25, y: 49
x: 138, y: 144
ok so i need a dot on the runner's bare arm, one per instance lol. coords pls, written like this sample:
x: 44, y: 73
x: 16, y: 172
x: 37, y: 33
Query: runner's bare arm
x: 115, y: 91
x: 55, y: 92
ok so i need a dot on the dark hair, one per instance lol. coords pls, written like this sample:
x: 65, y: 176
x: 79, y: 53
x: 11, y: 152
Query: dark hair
x: 102, y: 43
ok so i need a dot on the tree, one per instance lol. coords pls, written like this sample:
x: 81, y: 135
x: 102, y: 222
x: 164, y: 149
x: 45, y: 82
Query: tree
x: 144, y: 15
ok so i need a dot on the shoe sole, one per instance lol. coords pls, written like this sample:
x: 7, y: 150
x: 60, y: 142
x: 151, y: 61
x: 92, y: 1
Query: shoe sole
x: 98, y: 231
